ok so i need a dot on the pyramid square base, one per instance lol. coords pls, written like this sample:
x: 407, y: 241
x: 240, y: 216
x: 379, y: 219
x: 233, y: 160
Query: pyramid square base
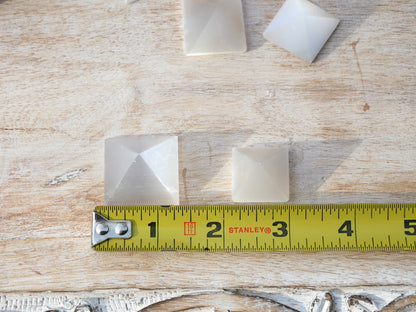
x: 213, y: 27
x: 260, y: 175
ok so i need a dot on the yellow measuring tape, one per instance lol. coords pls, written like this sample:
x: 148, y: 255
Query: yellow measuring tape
x: 255, y: 227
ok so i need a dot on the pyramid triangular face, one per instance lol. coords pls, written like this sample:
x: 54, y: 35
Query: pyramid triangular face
x: 277, y: 169
x: 319, y: 30
x: 243, y: 168
x: 310, y: 9
x: 162, y: 159
x: 213, y: 26
x: 139, y: 145
x: 290, y: 33
x: 267, y: 191
x: 197, y: 14
x: 118, y: 160
x: 287, y: 13
x: 301, y: 28
x: 142, y: 170
x: 260, y: 175
x: 147, y: 190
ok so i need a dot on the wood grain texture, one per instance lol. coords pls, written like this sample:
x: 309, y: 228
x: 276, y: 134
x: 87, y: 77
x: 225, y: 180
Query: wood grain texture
x: 75, y: 73
x: 347, y: 299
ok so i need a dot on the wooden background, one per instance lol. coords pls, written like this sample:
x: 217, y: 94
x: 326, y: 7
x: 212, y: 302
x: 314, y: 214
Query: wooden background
x: 73, y: 73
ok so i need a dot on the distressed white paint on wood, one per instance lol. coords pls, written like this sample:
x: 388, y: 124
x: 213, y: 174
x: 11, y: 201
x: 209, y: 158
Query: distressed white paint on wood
x: 75, y: 73
x: 351, y: 299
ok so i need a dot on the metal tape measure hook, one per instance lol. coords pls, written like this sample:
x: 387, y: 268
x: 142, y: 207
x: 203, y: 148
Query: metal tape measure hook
x: 103, y: 229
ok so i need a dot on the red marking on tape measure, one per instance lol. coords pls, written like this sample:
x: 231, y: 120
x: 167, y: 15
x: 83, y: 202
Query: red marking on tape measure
x: 189, y: 228
x: 249, y: 229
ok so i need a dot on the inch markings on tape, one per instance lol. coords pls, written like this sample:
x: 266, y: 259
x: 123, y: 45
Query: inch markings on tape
x: 226, y: 228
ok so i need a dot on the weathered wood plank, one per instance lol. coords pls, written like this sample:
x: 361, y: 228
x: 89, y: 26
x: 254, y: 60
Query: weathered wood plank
x: 67, y: 263
x: 75, y: 73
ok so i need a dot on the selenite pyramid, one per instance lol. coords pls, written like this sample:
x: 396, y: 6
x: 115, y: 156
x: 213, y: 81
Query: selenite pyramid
x: 260, y: 174
x: 301, y: 28
x: 213, y: 27
x: 141, y: 170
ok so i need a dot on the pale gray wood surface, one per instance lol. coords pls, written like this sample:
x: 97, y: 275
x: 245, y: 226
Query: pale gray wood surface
x: 74, y: 73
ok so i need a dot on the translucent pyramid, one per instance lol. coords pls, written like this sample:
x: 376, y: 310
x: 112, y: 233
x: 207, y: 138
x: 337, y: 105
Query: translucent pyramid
x: 141, y: 170
x: 213, y: 27
x: 260, y: 174
x: 301, y: 28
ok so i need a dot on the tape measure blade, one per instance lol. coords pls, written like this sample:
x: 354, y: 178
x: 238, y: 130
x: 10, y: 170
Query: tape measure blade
x: 327, y: 227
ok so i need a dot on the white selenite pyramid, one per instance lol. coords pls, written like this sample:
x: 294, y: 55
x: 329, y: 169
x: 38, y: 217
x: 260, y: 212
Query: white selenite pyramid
x: 213, y: 27
x: 301, y: 28
x: 261, y: 174
x: 141, y: 170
